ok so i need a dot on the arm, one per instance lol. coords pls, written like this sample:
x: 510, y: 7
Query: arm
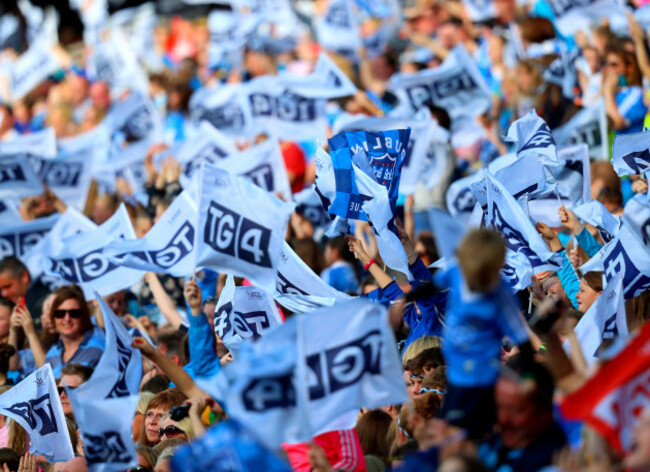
x: 639, y: 45
x: 201, y: 340
x: 14, y: 361
x: 610, y: 84
x: 164, y: 301
x: 23, y: 318
x: 588, y: 242
x: 569, y: 280
x: 382, y: 278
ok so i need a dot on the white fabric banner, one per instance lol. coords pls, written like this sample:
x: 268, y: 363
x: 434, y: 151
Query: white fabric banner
x: 35, y: 405
x: 479, y: 10
x: 17, y: 178
x: 327, y: 80
x: 18, y: 240
x: 631, y: 153
x: 588, y: 126
x: 338, y: 30
x: 244, y: 238
x: 595, y: 213
x: 637, y: 217
x: 229, y: 33
x: 576, y: 15
x: 68, y: 177
x: 532, y: 135
x: 168, y: 248
x: 456, y: 85
x: 82, y: 260
x: 134, y: 119
x: 225, y: 107
x: 32, y: 68
x: 40, y: 144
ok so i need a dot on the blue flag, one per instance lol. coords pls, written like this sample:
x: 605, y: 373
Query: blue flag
x: 379, y: 154
x: 630, y: 154
x: 227, y: 447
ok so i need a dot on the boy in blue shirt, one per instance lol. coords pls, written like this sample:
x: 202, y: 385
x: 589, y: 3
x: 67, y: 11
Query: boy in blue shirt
x: 481, y: 311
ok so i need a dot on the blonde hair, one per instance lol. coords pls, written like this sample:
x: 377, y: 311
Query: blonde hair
x: 419, y: 345
x: 481, y: 255
x: 145, y: 397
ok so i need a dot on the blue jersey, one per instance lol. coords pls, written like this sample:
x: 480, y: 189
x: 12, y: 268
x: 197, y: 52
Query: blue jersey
x: 631, y: 107
x: 88, y: 353
x: 341, y: 276
x: 475, y: 325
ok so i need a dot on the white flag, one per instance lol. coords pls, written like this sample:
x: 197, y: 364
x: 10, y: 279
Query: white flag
x: 631, y: 153
x: 605, y: 319
x: 168, y: 248
x: 263, y: 165
x: 595, y: 213
x: 532, y: 135
x: 94, y: 144
x: 637, y: 217
x: 456, y: 85
x: 225, y: 107
x: 327, y: 80
x: 479, y: 10
x: 134, y: 119
x: 18, y: 240
x: 35, y: 405
x: 243, y: 313
x: 575, y: 15
x: 32, y: 68
x: 106, y: 430
x: 309, y: 371
x: 588, y: 126
x: 460, y: 199
x: 68, y: 177
x: 517, y: 271
x: 40, y: 144
x: 82, y: 260
x: 243, y: 236
x: 229, y: 33
x: 338, y: 30
x: 298, y: 288
x: 18, y: 179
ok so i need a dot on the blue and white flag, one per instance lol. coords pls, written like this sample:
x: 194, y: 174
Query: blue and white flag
x: 595, y: 213
x: 17, y: 178
x: 225, y: 107
x: 32, y: 67
x: 508, y: 218
x: 604, y: 320
x: 309, y: 205
x: 82, y: 260
x: 572, y: 184
x: 245, y: 237
x: 39, y: 144
x: 562, y: 72
x: 626, y: 255
x: 327, y: 80
x: 243, y: 313
x: 263, y: 165
x: 119, y: 370
x: 227, y: 447
x: 209, y: 145
x: 479, y: 10
x: 106, y: 430
x: 68, y: 177
x: 456, y: 85
x: 229, y: 33
x: 126, y: 162
x: 18, y: 240
x: 532, y: 135
x: 575, y: 15
x: 134, y: 119
x: 460, y: 199
x: 631, y: 153
x: 309, y: 371
x: 637, y: 217
x: 447, y: 231
x: 36, y: 406
x: 94, y: 144
x: 298, y: 288
x: 588, y: 126
x: 517, y: 271
x: 69, y: 223
x: 168, y: 248
x: 338, y: 29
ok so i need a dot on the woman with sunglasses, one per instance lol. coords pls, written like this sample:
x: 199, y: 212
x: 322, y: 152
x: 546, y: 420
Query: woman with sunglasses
x: 79, y: 342
x: 157, y: 409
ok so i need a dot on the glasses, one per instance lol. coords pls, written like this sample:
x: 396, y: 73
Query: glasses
x: 62, y: 389
x: 60, y: 314
x: 140, y: 468
x: 170, y: 431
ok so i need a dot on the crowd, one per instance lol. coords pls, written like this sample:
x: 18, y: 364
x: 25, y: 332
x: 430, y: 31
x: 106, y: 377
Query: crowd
x: 507, y: 240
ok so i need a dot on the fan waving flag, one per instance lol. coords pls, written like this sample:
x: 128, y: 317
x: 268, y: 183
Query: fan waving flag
x: 631, y: 153
x: 36, y: 406
x: 245, y: 237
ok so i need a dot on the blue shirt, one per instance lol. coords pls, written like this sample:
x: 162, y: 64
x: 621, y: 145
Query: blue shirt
x: 475, y: 325
x: 632, y: 109
x: 341, y: 276
x: 88, y: 353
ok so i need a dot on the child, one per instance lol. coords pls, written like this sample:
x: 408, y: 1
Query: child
x: 480, y: 312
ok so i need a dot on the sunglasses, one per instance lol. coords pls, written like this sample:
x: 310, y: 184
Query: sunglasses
x: 60, y: 314
x: 140, y: 468
x: 62, y: 389
x: 170, y: 431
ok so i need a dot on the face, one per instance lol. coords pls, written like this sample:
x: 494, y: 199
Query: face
x: 453, y: 464
x: 555, y: 290
x: 614, y: 64
x: 70, y: 381
x: 46, y: 315
x: 5, y: 321
x: 518, y: 417
x: 208, y: 309
x: 13, y: 287
x: 100, y: 95
x: 117, y: 302
x: 152, y: 421
x: 142, y: 226
x: 68, y: 326
x: 586, y: 296
x: 639, y: 456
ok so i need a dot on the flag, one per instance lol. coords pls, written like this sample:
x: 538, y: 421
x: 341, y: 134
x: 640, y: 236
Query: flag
x: 571, y: 183
x: 229, y: 32
x: 532, y: 135
x: 312, y: 369
x: 309, y: 205
x: 68, y: 224
x: 18, y: 240
x: 612, y: 399
x: 263, y: 165
x: 574, y: 15
x: 106, y: 430
x: 168, y: 247
x: 447, y: 231
x: 224, y: 107
x: 227, y: 447
x: 631, y: 153
x: 456, y: 85
x: 479, y: 10
x: 68, y: 177
x: 595, y: 213
x: 134, y: 119
x: 338, y: 30
x: 35, y: 405
x: 32, y: 67
x: 460, y: 199
x: 327, y: 80
x: 508, y: 218
x: 562, y: 72
x: 637, y: 218
x: 119, y: 371
x: 18, y: 179
x: 588, y: 126
x: 40, y: 144
x: 517, y: 271
x: 209, y: 145
x: 82, y: 260
x: 298, y: 288
x: 605, y: 319
x: 244, y: 238
x: 626, y: 255
x: 94, y: 144
x: 243, y: 313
